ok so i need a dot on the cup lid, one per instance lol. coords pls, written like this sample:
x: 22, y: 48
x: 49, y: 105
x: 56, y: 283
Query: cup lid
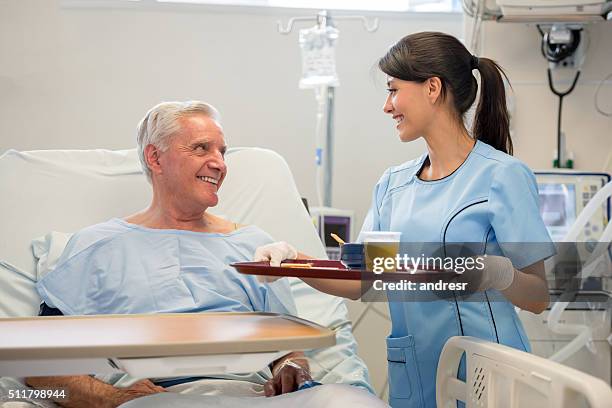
x: 380, y: 236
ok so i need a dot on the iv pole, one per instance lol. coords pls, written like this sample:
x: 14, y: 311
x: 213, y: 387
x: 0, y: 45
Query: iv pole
x: 323, y: 19
x: 328, y: 159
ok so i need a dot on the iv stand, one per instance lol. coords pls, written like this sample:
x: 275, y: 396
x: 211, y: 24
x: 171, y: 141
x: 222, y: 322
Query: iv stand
x: 324, y: 19
x: 328, y: 156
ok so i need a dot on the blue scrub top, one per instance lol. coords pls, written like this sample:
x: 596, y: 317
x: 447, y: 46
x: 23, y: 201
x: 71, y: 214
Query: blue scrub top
x: 491, y: 199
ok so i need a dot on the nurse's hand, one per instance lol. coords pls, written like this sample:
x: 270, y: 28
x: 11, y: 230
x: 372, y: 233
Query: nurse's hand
x: 275, y: 253
x: 287, y: 376
x: 497, y: 272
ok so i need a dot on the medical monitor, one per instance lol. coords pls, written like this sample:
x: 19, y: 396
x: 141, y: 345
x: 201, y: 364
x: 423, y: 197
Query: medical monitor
x: 564, y: 194
x: 558, y: 207
x: 332, y: 220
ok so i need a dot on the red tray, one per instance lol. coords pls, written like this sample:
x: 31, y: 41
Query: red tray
x: 336, y: 270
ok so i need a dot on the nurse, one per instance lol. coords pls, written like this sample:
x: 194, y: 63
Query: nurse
x: 466, y: 188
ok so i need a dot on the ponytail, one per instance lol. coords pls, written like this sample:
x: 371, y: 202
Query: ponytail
x: 424, y: 55
x: 492, y: 122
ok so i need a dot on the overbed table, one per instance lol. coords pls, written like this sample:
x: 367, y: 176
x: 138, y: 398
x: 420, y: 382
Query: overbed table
x: 155, y: 345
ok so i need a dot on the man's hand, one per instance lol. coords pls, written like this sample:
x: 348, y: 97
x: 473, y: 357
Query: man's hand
x: 288, y: 375
x: 138, y: 389
x: 85, y: 391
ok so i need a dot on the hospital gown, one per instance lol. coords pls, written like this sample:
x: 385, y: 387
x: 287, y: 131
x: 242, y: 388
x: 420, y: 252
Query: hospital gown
x: 118, y: 267
x: 121, y: 268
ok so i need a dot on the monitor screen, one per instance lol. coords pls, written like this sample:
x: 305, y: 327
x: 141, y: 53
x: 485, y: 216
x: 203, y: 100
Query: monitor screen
x: 338, y: 229
x: 557, y: 207
x: 339, y: 225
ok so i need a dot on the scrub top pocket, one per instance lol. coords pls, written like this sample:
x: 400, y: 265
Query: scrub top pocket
x: 404, y: 381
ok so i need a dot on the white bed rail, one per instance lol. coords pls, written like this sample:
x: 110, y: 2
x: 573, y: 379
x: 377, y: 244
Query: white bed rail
x: 500, y: 376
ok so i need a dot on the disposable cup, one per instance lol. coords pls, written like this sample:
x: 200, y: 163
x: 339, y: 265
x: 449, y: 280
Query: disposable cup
x: 379, y: 246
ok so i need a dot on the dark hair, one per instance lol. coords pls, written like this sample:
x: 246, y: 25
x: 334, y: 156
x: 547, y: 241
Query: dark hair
x: 418, y: 57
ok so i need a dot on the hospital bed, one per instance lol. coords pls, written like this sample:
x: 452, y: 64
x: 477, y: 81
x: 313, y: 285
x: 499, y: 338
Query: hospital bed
x: 50, y: 194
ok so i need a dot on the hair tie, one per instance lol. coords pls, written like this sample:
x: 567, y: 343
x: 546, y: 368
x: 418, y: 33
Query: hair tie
x: 474, y: 62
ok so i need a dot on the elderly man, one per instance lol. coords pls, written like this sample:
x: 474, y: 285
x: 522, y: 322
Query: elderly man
x: 173, y: 257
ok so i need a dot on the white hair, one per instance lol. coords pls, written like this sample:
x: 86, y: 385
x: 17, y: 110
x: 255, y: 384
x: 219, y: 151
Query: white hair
x: 161, y: 122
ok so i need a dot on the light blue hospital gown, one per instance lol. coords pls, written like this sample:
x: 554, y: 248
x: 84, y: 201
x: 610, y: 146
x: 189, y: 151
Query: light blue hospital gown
x: 118, y: 267
x: 490, y: 199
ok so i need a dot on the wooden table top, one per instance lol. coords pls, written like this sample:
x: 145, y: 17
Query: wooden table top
x: 157, y: 335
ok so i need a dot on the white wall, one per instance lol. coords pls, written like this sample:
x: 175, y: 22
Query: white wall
x: 589, y: 134
x: 83, y: 77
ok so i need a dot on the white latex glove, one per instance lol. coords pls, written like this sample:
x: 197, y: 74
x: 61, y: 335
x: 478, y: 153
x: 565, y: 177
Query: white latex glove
x: 497, y: 273
x: 275, y: 253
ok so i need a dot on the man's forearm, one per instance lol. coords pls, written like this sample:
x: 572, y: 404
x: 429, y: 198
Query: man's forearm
x: 81, y: 391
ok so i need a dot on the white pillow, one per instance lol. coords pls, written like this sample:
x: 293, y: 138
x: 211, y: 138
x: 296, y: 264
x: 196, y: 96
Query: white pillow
x: 47, y: 251
x: 18, y: 295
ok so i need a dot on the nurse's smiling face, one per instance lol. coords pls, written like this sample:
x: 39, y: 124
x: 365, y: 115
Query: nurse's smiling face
x: 411, y: 105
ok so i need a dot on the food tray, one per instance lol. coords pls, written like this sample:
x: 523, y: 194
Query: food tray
x: 324, y: 269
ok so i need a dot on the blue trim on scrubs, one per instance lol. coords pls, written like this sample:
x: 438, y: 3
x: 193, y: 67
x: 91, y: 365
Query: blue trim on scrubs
x: 479, y: 202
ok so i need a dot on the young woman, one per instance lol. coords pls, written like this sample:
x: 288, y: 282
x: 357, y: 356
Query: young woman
x: 467, y: 188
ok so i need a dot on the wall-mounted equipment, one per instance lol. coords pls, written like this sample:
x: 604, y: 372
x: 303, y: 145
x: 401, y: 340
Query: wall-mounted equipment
x: 332, y: 220
x: 563, y: 196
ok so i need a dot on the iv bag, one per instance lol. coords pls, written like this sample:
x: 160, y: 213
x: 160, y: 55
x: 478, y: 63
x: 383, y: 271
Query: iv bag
x: 318, y: 56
